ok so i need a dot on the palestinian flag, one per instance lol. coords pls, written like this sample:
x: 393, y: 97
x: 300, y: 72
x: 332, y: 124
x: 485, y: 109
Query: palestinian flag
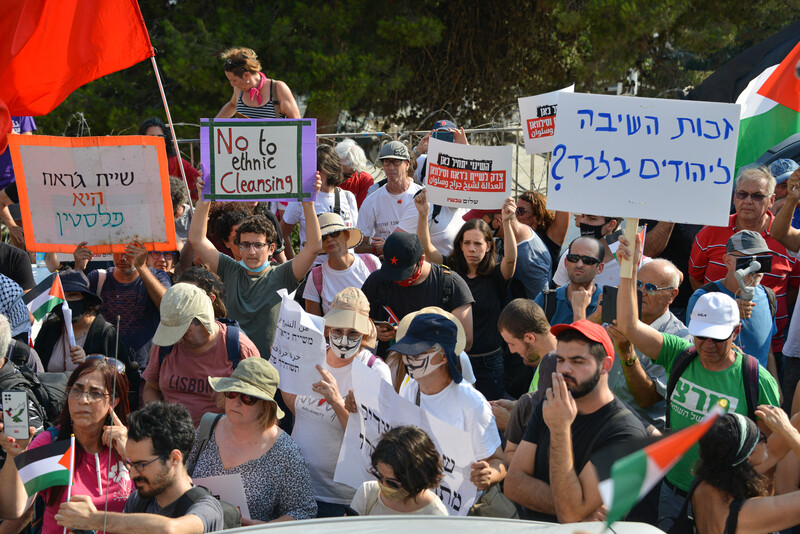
x: 770, y: 109
x: 633, y: 476
x: 45, y: 297
x: 45, y: 466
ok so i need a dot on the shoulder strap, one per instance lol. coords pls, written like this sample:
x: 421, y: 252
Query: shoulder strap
x: 550, y: 303
x: 19, y: 352
x: 101, y: 280
x: 710, y: 287
x: 186, y: 500
x: 733, y: 516
x: 447, y: 287
x: 751, y: 389
x: 678, y: 367
x: 773, y: 302
x: 369, y: 261
x: 371, y: 360
x: 142, y: 503
x: 337, y: 201
x: 232, y: 342
x: 207, y: 424
x: 437, y: 209
x: 316, y: 278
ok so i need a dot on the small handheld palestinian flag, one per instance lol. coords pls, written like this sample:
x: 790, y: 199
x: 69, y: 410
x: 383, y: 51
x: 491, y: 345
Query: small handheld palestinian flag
x: 46, y: 466
x: 45, y: 297
x: 633, y: 476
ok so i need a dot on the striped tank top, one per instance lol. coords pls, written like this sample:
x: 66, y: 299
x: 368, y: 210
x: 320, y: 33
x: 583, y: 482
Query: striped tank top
x: 265, y: 111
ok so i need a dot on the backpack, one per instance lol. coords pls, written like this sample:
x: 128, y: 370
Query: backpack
x: 231, y: 343
x: 446, y: 290
x: 316, y: 272
x: 749, y: 378
x: 549, y: 304
x: 46, y: 391
x: 18, y: 352
x: 231, y: 516
x: 712, y: 287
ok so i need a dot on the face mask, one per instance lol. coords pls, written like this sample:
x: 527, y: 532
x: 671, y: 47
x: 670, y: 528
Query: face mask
x: 343, y: 346
x: 392, y: 494
x: 592, y: 230
x: 257, y: 269
x: 410, y: 281
x: 420, y: 365
x: 78, y: 308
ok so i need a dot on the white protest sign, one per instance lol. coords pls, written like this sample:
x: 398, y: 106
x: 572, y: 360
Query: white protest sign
x: 538, y: 117
x: 670, y: 160
x: 228, y: 488
x: 468, y: 176
x: 373, y: 419
x: 107, y: 191
x: 298, y: 347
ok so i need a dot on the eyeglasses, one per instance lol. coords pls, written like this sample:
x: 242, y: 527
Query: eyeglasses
x: 761, y: 436
x: 332, y: 235
x: 158, y: 254
x: 246, y: 245
x: 234, y: 64
x: 587, y: 260
x: 95, y: 395
x: 715, y: 340
x: 742, y: 195
x: 247, y: 400
x: 352, y: 335
x: 141, y: 466
x: 522, y: 211
x: 651, y: 289
x: 392, y: 162
x: 390, y: 482
x: 120, y: 366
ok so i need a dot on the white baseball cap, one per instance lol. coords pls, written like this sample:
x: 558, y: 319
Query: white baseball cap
x: 715, y: 315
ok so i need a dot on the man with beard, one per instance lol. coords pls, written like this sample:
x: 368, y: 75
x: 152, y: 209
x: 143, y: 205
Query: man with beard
x: 160, y: 437
x: 551, y: 474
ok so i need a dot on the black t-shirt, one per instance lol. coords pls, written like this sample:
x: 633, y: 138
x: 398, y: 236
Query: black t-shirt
x: 610, y: 425
x: 405, y: 300
x: 489, y: 293
x: 525, y: 405
x: 554, y: 249
x: 678, y: 249
x: 16, y: 264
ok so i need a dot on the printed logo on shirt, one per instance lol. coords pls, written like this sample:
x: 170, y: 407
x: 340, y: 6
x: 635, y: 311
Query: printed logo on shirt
x: 315, y: 406
x: 189, y: 385
x: 693, y: 401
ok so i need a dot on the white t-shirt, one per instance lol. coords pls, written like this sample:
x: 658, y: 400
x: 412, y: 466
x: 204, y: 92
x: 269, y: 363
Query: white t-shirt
x: 367, y: 501
x: 319, y: 434
x: 609, y: 276
x: 334, y: 281
x: 382, y: 212
x: 324, y: 204
x: 443, y: 232
x: 464, y: 407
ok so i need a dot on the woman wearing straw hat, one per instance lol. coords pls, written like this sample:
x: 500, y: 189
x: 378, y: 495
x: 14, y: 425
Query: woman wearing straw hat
x: 342, y: 269
x: 248, y: 441
x: 321, y: 418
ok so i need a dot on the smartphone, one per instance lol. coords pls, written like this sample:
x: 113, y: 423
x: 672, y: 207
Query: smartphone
x: 444, y: 135
x: 765, y: 260
x: 610, y: 303
x: 15, y: 414
x: 379, y: 323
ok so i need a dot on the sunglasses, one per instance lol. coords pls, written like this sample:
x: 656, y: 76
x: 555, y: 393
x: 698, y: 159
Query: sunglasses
x: 587, y: 260
x: 651, y: 289
x: 118, y: 365
x: 332, y: 235
x: 715, y: 340
x: 742, y: 195
x: 392, y: 162
x: 247, y: 400
x: 522, y: 211
x: 394, y: 484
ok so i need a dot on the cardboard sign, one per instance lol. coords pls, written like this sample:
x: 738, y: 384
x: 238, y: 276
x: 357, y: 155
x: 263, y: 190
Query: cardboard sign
x: 108, y: 191
x: 381, y: 409
x: 229, y: 488
x: 258, y: 159
x: 467, y: 176
x: 670, y: 160
x: 538, y: 117
x: 298, y: 347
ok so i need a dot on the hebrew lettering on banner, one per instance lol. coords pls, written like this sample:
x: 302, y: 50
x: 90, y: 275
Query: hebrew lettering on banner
x: 107, y: 191
x: 380, y: 409
x: 538, y: 117
x: 298, y: 347
x: 670, y: 160
x: 258, y: 159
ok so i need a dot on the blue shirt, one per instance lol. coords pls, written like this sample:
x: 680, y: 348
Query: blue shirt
x: 18, y: 125
x: 533, y: 265
x: 564, y: 313
x: 757, y: 331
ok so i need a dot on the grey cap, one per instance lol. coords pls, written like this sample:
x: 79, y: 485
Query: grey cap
x: 747, y: 242
x: 394, y: 150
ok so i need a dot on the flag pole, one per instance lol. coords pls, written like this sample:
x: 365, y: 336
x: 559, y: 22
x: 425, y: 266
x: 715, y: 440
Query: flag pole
x: 172, y: 131
x: 71, y: 469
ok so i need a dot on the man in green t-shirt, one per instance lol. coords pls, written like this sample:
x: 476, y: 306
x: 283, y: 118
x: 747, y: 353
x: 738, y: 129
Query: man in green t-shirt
x: 716, y: 373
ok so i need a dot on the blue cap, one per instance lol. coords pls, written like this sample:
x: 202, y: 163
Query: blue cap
x: 444, y: 125
x: 425, y: 331
x: 782, y: 169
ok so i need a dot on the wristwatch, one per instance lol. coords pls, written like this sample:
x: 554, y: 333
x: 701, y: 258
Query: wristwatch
x: 630, y: 361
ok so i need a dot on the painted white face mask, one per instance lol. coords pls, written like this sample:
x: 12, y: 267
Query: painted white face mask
x: 343, y: 346
x: 420, y: 365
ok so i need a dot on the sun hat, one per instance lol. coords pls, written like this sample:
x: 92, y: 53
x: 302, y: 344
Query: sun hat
x: 332, y: 222
x: 425, y: 330
x: 73, y: 280
x: 179, y: 306
x: 253, y: 376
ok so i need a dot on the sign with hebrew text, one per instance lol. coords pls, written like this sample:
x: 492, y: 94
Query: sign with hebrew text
x: 538, y: 117
x: 618, y: 156
x: 107, y: 191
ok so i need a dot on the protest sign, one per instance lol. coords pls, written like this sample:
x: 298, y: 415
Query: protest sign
x: 107, y: 191
x: 538, y: 117
x: 228, y: 488
x: 670, y: 160
x: 376, y: 415
x: 258, y: 159
x: 298, y: 347
x: 467, y: 176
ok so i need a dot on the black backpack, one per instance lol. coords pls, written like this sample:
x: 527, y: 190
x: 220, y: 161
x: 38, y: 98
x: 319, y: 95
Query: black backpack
x: 46, y: 391
x: 549, y: 304
x: 231, y: 516
x: 231, y: 343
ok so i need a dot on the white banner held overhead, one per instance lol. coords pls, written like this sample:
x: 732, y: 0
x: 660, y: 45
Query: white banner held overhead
x: 468, y: 176
x: 298, y: 348
x: 670, y: 160
x: 538, y: 117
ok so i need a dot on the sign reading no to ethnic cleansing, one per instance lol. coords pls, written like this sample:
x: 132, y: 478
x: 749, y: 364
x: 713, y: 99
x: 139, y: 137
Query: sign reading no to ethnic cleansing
x: 258, y: 159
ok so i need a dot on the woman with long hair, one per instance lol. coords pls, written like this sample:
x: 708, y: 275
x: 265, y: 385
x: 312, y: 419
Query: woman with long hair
x: 474, y: 258
x: 96, y: 412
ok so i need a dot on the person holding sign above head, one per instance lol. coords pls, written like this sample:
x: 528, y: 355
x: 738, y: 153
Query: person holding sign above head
x: 155, y: 126
x: 255, y: 96
x: 406, y: 465
x: 330, y: 198
x: 391, y: 207
x: 251, y: 284
x: 321, y: 419
x: 550, y: 226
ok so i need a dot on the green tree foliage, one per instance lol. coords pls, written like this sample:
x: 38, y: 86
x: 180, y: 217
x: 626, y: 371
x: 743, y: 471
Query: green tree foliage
x: 405, y: 61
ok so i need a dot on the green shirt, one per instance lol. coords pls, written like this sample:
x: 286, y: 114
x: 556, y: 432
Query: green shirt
x: 253, y: 299
x: 698, y: 390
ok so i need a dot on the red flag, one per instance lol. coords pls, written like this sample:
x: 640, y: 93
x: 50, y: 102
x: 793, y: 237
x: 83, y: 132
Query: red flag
x: 52, y: 47
x: 783, y: 86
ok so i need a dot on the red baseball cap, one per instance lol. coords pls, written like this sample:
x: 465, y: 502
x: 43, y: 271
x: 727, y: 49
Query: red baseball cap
x: 477, y: 214
x: 593, y: 331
